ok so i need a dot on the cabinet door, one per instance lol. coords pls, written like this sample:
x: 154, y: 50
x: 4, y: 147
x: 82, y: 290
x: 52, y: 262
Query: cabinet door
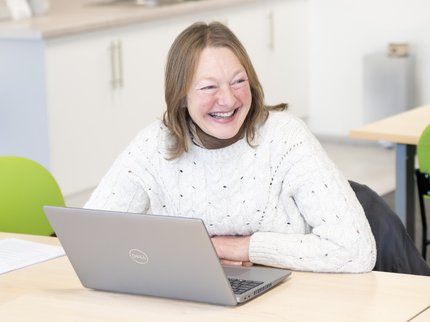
x: 102, y: 89
x: 288, y: 60
x: 81, y: 109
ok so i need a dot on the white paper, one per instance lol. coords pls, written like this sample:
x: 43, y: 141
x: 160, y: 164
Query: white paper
x: 17, y: 253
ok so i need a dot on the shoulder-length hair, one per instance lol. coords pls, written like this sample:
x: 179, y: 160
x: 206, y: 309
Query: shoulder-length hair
x: 181, y: 63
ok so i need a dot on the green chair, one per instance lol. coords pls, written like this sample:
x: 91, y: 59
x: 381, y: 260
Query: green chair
x: 423, y: 181
x: 25, y: 187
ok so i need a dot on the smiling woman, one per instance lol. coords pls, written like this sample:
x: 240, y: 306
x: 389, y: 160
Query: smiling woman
x: 264, y: 187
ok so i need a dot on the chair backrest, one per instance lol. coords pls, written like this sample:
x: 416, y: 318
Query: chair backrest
x: 423, y: 150
x: 25, y: 187
x: 395, y: 250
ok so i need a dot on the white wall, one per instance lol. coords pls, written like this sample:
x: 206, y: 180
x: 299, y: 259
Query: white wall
x: 341, y: 33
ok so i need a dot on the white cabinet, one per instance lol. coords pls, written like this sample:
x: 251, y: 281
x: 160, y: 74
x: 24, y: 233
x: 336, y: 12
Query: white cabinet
x: 83, y: 109
x: 288, y: 76
x: 74, y: 102
x: 102, y: 89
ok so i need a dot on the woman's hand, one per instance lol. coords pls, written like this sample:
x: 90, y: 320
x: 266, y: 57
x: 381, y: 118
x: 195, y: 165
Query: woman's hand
x: 232, y: 250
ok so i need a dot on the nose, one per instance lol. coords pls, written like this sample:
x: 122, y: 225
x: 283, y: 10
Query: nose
x: 226, y: 96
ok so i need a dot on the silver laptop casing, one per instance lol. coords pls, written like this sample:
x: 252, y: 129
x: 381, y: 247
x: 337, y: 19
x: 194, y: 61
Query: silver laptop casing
x: 153, y: 255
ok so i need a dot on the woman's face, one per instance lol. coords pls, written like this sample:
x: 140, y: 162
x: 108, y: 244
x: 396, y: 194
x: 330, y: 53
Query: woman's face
x: 219, y: 97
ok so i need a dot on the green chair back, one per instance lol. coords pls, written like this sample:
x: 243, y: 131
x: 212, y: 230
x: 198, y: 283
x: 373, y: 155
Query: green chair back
x: 423, y: 152
x: 25, y: 187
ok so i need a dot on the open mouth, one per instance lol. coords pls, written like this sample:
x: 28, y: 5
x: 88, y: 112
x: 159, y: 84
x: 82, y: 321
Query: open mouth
x: 225, y: 115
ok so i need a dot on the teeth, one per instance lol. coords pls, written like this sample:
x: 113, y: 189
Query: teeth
x: 228, y: 114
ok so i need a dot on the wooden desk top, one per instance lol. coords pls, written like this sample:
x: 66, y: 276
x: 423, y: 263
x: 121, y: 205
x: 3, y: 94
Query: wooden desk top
x: 404, y: 128
x: 423, y: 316
x: 51, y: 291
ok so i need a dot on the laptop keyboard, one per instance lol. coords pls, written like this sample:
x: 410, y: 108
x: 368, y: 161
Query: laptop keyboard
x: 241, y: 286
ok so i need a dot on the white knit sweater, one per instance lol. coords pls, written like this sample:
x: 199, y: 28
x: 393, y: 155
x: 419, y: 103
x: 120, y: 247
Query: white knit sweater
x: 285, y: 192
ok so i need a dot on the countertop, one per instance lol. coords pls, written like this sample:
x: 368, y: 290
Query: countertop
x: 71, y: 17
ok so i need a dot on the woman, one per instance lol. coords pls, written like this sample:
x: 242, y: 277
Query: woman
x: 267, y: 192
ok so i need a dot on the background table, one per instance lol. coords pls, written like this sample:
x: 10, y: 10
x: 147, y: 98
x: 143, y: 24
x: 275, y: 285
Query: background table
x: 51, y: 291
x: 404, y: 129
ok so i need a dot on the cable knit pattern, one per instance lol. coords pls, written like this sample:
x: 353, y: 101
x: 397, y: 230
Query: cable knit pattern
x: 285, y: 192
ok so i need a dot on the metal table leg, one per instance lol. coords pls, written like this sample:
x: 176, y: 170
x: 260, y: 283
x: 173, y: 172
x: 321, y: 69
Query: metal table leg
x: 405, y: 186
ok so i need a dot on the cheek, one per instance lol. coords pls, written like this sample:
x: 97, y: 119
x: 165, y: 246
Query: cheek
x: 244, y: 95
x: 200, y: 104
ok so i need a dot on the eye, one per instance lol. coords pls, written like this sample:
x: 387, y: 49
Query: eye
x: 208, y: 89
x: 239, y: 83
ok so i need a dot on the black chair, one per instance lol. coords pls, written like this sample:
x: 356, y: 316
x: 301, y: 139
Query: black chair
x: 396, y: 252
x: 423, y: 183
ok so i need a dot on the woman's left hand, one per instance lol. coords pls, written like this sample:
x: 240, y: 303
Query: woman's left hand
x: 232, y: 250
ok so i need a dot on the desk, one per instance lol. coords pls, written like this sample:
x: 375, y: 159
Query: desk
x: 404, y: 129
x: 51, y: 291
x: 423, y: 316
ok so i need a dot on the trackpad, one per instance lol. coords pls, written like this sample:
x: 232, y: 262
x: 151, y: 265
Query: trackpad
x: 232, y: 271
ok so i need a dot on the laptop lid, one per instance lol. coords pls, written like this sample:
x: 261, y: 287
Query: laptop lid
x: 153, y: 255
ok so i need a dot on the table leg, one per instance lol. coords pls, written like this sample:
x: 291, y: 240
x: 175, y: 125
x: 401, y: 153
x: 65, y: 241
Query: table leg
x: 405, y: 186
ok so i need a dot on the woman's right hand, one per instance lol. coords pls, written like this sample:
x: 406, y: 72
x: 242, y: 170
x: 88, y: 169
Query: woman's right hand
x: 232, y: 250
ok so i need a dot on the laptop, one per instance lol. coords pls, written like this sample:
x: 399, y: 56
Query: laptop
x: 154, y: 255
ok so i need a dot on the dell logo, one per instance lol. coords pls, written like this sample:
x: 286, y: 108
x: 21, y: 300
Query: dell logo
x: 138, y: 256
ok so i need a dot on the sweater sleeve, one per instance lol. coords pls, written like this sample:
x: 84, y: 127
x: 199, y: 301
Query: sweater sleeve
x: 339, y: 237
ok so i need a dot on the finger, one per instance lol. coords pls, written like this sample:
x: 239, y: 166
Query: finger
x: 247, y: 264
x: 229, y: 262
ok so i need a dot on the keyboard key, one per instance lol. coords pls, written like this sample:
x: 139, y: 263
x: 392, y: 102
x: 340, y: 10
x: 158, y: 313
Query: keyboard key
x: 241, y: 286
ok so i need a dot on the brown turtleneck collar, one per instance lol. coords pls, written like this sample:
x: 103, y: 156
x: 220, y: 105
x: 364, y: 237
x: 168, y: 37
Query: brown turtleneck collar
x: 204, y: 140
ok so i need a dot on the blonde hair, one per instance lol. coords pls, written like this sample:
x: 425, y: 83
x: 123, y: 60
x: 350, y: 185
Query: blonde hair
x: 181, y: 63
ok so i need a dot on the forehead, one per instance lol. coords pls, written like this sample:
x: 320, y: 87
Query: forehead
x: 214, y: 61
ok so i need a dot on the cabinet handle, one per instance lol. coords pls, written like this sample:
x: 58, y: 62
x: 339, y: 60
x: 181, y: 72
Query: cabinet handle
x: 113, y: 80
x: 271, y: 38
x: 119, y: 60
x: 116, y: 64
